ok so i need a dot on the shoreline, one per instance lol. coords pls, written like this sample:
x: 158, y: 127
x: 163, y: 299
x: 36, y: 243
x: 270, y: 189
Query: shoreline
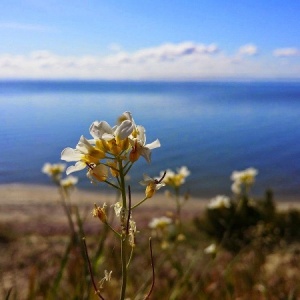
x: 31, y: 208
x: 37, y: 209
x: 32, y: 193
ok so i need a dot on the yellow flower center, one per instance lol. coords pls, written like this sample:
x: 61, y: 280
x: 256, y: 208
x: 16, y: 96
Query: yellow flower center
x: 93, y: 156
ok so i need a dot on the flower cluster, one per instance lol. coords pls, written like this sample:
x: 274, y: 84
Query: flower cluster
x: 175, y: 180
x: 162, y: 228
x: 55, y: 171
x: 218, y: 202
x: 108, y: 157
x: 243, y: 179
x: 109, y: 148
x: 160, y: 223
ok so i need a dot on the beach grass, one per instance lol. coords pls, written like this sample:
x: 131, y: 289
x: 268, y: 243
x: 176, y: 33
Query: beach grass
x: 40, y: 259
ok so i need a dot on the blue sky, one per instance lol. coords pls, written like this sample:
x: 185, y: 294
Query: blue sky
x: 153, y: 40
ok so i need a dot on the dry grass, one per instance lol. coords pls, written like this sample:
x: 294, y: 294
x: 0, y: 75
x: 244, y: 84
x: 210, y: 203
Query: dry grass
x: 36, y: 249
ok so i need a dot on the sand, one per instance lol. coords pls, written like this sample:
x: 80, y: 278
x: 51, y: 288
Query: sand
x: 37, y: 208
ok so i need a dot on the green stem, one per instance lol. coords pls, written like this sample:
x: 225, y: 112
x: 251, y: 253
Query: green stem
x: 122, y: 187
x: 178, y: 210
x: 124, y: 268
x: 115, y: 232
x: 126, y: 171
x: 65, y: 198
x: 139, y: 203
x: 130, y: 257
x: 124, y: 232
x: 111, y: 184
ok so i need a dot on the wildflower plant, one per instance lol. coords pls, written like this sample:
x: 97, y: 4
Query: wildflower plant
x: 175, y: 180
x: 108, y: 157
x: 65, y: 186
x: 232, y: 221
x: 161, y: 229
x: 243, y: 181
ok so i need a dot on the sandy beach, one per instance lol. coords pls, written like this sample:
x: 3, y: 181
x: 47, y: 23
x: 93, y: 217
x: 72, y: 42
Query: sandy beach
x: 37, y: 208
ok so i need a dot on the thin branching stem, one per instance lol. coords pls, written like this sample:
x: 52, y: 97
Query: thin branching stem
x: 128, y: 169
x: 153, y: 271
x: 97, y: 292
x: 113, y: 230
x: 64, y: 197
x: 111, y: 184
x: 139, y: 203
x: 130, y: 257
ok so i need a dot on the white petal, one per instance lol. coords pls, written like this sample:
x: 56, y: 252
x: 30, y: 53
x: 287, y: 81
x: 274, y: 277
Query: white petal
x: 107, y: 136
x: 142, y: 134
x: 46, y: 168
x: 153, y: 145
x: 78, y: 167
x: 184, y: 171
x: 97, y: 129
x: 127, y: 115
x: 146, y: 153
x: 70, y: 154
x: 83, y: 145
x: 124, y: 129
x: 159, y: 185
x: 147, y: 179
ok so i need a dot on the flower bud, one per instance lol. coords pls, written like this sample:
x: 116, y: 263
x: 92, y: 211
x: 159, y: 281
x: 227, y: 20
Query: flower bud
x: 100, y: 213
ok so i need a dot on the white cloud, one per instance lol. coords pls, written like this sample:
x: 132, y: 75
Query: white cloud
x: 174, y: 51
x: 285, y: 52
x: 183, y: 61
x: 165, y: 52
x: 248, y: 49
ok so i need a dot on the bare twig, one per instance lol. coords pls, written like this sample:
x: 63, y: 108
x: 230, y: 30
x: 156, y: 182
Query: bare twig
x: 153, y: 272
x: 97, y: 292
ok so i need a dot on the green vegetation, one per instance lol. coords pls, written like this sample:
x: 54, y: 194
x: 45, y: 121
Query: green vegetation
x: 258, y: 260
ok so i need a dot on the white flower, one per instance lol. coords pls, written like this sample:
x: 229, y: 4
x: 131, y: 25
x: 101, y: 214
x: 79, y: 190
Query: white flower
x: 184, y: 171
x: 160, y: 223
x: 176, y: 179
x: 236, y: 187
x: 152, y: 185
x: 53, y: 170
x: 139, y: 146
x: 245, y: 177
x: 69, y: 181
x: 102, y: 130
x: 211, y: 249
x: 219, y: 201
x: 98, y: 129
x: 84, y: 153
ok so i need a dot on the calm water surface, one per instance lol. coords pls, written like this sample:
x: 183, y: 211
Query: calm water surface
x: 212, y: 128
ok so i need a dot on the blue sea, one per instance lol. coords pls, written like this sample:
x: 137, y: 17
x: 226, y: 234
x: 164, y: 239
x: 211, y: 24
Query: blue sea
x: 213, y: 128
